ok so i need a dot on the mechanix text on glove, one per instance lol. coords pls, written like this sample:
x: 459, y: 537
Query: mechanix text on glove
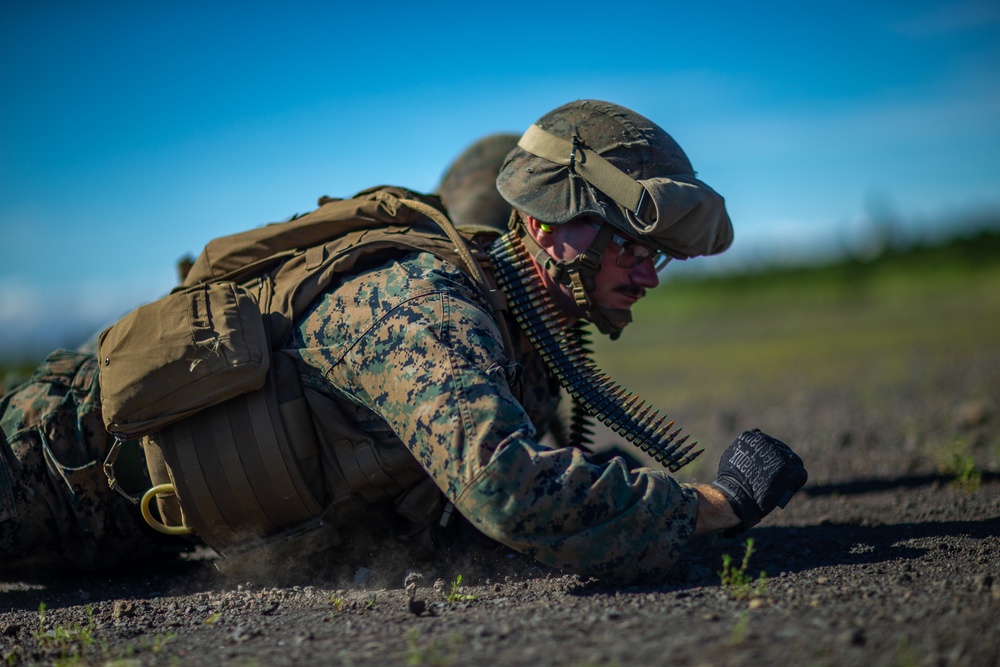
x: 756, y: 474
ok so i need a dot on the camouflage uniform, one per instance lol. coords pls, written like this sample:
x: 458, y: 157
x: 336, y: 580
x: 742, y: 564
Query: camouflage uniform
x: 412, y: 346
x: 55, y: 502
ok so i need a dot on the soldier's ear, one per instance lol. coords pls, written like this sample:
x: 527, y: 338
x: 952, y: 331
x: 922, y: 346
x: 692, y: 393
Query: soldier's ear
x: 539, y: 231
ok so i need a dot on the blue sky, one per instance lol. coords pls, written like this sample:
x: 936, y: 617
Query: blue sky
x: 131, y: 132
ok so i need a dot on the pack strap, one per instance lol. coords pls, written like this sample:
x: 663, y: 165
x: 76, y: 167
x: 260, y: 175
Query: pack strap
x: 444, y: 223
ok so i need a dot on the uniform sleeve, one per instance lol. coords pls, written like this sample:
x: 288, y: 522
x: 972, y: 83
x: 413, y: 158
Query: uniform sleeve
x: 434, y: 369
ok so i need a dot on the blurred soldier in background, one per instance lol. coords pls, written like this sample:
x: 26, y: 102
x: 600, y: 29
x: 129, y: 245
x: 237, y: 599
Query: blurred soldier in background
x: 468, y: 188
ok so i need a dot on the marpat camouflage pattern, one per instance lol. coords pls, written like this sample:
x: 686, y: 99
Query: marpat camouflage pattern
x: 55, y: 502
x: 413, y: 345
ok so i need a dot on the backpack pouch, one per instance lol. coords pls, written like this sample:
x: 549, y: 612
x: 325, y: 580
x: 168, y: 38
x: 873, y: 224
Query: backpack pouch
x: 180, y: 354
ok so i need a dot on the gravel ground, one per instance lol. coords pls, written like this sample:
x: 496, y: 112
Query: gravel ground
x: 889, y: 556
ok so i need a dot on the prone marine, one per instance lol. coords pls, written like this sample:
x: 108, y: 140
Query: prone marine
x: 426, y: 374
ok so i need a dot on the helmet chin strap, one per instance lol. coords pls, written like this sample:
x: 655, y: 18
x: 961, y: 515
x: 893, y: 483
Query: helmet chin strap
x: 579, y: 274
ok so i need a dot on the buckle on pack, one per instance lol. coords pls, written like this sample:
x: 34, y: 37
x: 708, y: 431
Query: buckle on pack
x: 109, y: 469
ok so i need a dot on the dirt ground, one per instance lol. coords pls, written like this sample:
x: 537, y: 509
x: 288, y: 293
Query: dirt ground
x: 889, y: 556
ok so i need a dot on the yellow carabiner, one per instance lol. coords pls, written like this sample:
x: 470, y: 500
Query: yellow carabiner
x: 157, y: 525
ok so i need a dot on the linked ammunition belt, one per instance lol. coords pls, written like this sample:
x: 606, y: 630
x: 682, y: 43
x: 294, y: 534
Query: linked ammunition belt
x: 565, y: 350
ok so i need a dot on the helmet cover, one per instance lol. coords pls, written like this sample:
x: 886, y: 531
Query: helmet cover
x: 665, y: 205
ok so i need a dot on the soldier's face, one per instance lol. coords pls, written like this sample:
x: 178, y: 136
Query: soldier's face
x: 615, y: 287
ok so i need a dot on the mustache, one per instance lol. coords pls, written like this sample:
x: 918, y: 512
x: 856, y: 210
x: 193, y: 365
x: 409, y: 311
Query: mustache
x: 631, y: 289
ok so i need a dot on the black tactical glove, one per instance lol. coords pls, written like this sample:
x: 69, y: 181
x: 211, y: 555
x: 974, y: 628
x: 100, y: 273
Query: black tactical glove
x: 756, y: 474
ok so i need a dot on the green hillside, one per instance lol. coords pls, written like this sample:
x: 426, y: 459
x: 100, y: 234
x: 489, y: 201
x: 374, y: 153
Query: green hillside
x: 947, y: 294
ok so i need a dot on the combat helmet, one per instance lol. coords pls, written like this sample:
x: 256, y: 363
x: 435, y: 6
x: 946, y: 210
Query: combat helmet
x: 593, y: 158
x: 468, y: 188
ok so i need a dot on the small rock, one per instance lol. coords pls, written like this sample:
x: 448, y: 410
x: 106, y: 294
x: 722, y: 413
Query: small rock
x: 122, y: 609
x: 242, y: 633
x: 860, y: 548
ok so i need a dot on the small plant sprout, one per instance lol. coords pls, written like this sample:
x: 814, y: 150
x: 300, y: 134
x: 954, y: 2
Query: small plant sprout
x: 737, y: 581
x: 957, y: 463
x: 740, y: 627
x: 70, y: 640
x: 454, y: 596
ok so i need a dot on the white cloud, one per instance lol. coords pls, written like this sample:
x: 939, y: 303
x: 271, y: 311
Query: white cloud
x: 35, y: 319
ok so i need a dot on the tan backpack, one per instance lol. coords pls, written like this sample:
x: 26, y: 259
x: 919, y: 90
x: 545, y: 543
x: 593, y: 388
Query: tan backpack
x: 237, y: 451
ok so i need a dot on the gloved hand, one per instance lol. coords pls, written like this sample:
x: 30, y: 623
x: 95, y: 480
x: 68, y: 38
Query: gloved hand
x: 756, y: 474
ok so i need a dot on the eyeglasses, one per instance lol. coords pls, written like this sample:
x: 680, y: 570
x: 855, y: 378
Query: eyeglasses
x: 633, y: 253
